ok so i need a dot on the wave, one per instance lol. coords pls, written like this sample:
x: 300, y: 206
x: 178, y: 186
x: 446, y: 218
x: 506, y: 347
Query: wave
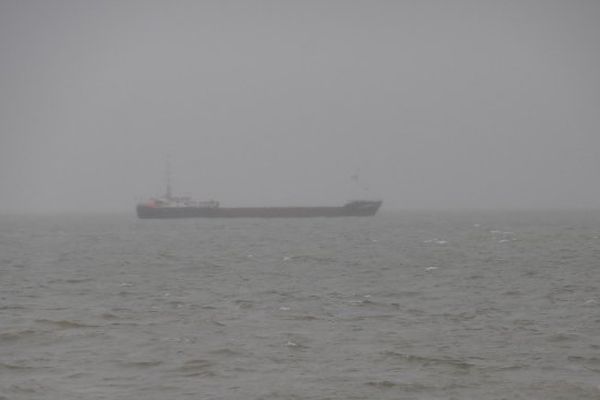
x: 14, y: 367
x: 143, y: 364
x: 17, y: 335
x: 65, y: 324
x: 197, y: 367
x: 428, y: 360
x: 405, y: 387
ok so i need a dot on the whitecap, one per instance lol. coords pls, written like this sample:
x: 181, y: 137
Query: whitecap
x: 436, y: 240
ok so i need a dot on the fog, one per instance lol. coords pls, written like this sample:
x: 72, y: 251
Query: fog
x: 432, y: 104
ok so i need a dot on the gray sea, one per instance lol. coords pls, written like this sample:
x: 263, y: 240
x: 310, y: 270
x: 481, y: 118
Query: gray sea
x: 404, y: 305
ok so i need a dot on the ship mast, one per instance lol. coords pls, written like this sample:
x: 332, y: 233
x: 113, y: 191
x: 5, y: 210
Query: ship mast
x: 168, y: 179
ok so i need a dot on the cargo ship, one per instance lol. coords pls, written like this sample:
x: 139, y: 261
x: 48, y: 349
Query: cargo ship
x: 183, y: 207
x: 169, y: 206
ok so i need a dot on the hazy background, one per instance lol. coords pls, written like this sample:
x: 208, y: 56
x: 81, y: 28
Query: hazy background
x: 437, y: 104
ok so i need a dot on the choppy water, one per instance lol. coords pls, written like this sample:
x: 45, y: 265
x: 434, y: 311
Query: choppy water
x: 399, y: 306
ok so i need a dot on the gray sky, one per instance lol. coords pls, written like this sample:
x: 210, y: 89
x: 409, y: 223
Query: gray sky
x: 438, y: 104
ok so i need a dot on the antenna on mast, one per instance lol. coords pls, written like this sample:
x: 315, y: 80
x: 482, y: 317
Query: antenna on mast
x: 356, y: 179
x: 168, y: 178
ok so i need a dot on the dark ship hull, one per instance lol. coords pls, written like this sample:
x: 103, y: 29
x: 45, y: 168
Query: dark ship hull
x: 352, y: 209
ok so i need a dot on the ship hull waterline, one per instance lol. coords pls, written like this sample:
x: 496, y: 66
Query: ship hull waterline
x: 366, y: 209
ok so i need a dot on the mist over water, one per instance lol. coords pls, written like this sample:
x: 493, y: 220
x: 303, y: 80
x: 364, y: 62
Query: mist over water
x: 401, y: 305
x: 467, y: 104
